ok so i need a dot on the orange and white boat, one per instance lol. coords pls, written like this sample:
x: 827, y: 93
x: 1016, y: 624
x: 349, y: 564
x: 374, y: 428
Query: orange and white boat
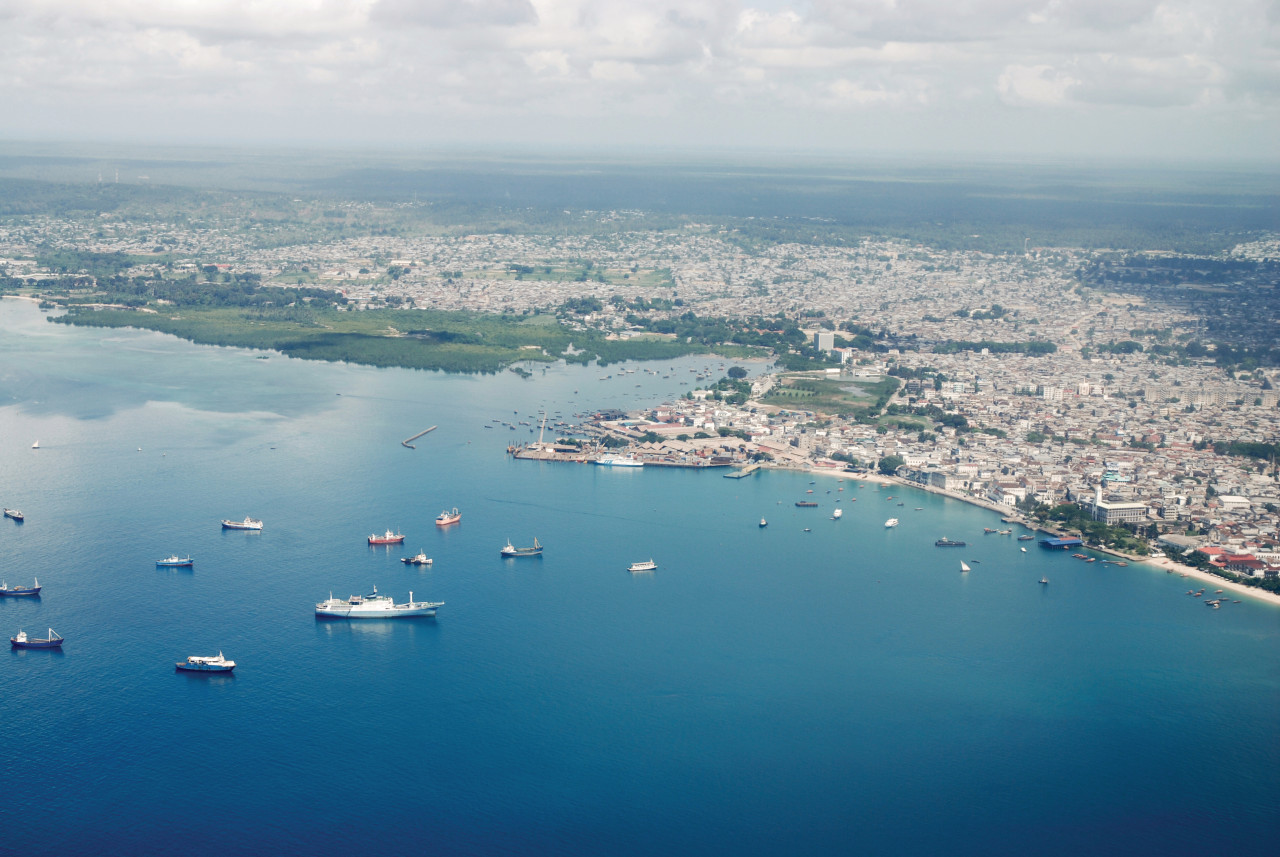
x: 448, y: 517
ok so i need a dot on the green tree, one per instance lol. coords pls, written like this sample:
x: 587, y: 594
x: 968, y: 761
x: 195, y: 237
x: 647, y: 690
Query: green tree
x: 890, y: 464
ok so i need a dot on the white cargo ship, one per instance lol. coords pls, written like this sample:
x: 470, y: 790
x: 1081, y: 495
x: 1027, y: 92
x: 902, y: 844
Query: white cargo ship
x: 374, y: 606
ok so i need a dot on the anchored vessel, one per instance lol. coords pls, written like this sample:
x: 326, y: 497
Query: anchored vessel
x: 175, y: 561
x: 206, y: 664
x: 420, y: 559
x: 17, y: 591
x: 804, y: 504
x: 447, y: 517
x: 619, y: 461
x: 374, y: 606
x: 15, y: 515
x: 647, y: 565
x: 247, y: 524
x: 945, y: 542
x: 389, y: 538
x: 891, y: 523
x: 512, y: 550
x: 22, y: 641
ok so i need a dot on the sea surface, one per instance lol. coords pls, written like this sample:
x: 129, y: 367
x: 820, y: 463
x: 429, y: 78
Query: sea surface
x: 811, y: 687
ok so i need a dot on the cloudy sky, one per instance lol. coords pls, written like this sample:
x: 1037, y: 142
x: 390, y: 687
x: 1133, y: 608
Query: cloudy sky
x: 1168, y: 79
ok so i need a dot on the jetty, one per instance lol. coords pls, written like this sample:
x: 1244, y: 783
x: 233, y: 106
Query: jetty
x: 408, y: 442
x: 745, y: 471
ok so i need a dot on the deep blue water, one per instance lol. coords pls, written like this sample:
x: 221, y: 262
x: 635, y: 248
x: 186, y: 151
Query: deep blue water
x: 844, y: 690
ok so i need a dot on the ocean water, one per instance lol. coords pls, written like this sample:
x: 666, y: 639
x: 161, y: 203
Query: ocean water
x: 839, y: 690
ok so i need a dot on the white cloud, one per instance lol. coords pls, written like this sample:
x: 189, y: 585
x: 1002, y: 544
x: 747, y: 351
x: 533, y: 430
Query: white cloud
x: 1022, y: 85
x: 573, y: 69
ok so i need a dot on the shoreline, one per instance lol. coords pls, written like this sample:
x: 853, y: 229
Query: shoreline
x: 1170, y: 565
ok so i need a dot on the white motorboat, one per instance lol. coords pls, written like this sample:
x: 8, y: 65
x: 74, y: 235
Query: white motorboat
x: 647, y: 565
x: 891, y: 523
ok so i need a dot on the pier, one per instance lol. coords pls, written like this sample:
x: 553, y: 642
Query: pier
x: 408, y: 442
x: 746, y: 471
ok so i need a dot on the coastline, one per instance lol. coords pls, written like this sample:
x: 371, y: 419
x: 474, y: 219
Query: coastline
x: 1169, y: 565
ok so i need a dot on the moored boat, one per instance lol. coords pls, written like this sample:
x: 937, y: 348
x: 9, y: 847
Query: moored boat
x: 1025, y: 537
x: 646, y: 565
x: 247, y: 524
x: 1044, y: 580
x: 806, y: 504
x: 763, y: 523
x: 619, y: 461
x: 374, y: 606
x: 388, y: 538
x: 512, y: 550
x: 891, y: 523
x: 206, y: 664
x: 837, y: 514
x: 945, y: 542
x: 20, y: 591
x: 448, y: 517
x: 419, y: 559
x: 175, y: 561
x: 15, y: 515
x: 22, y: 641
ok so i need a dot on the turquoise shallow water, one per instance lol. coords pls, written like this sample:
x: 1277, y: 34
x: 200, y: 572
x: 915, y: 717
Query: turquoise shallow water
x: 843, y: 690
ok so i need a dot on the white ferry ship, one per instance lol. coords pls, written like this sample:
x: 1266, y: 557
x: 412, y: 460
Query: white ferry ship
x: 374, y: 606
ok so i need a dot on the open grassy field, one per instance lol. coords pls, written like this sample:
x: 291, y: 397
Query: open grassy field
x: 817, y: 392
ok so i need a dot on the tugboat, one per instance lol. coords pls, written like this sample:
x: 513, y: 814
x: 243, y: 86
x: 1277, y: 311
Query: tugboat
x: 420, y: 559
x: 763, y: 523
x: 22, y: 641
x: 447, y: 517
x: 206, y: 664
x: 511, y: 550
x: 19, y: 591
x: 389, y: 538
x: 247, y: 524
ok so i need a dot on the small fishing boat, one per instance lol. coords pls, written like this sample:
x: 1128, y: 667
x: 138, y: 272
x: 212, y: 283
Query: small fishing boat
x: 419, y: 559
x: 646, y: 565
x: 22, y: 641
x: 19, y: 591
x: 448, y: 517
x: 15, y: 515
x: 175, y: 561
x: 1024, y: 550
x: 763, y: 523
x: 1025, y: 537
x: 1044, y: 580
x: 388, y: 538
x: 206, y: 664
x: 511, y: 550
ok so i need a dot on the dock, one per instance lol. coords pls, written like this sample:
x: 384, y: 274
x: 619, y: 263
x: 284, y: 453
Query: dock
x: 408, y: 442
x: 746, y: 471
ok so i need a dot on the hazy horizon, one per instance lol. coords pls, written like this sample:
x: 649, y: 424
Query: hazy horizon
x: 1168, y: 82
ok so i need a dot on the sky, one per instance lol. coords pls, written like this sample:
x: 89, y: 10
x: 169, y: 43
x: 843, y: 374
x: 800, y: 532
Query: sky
x: 1170, y: 81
